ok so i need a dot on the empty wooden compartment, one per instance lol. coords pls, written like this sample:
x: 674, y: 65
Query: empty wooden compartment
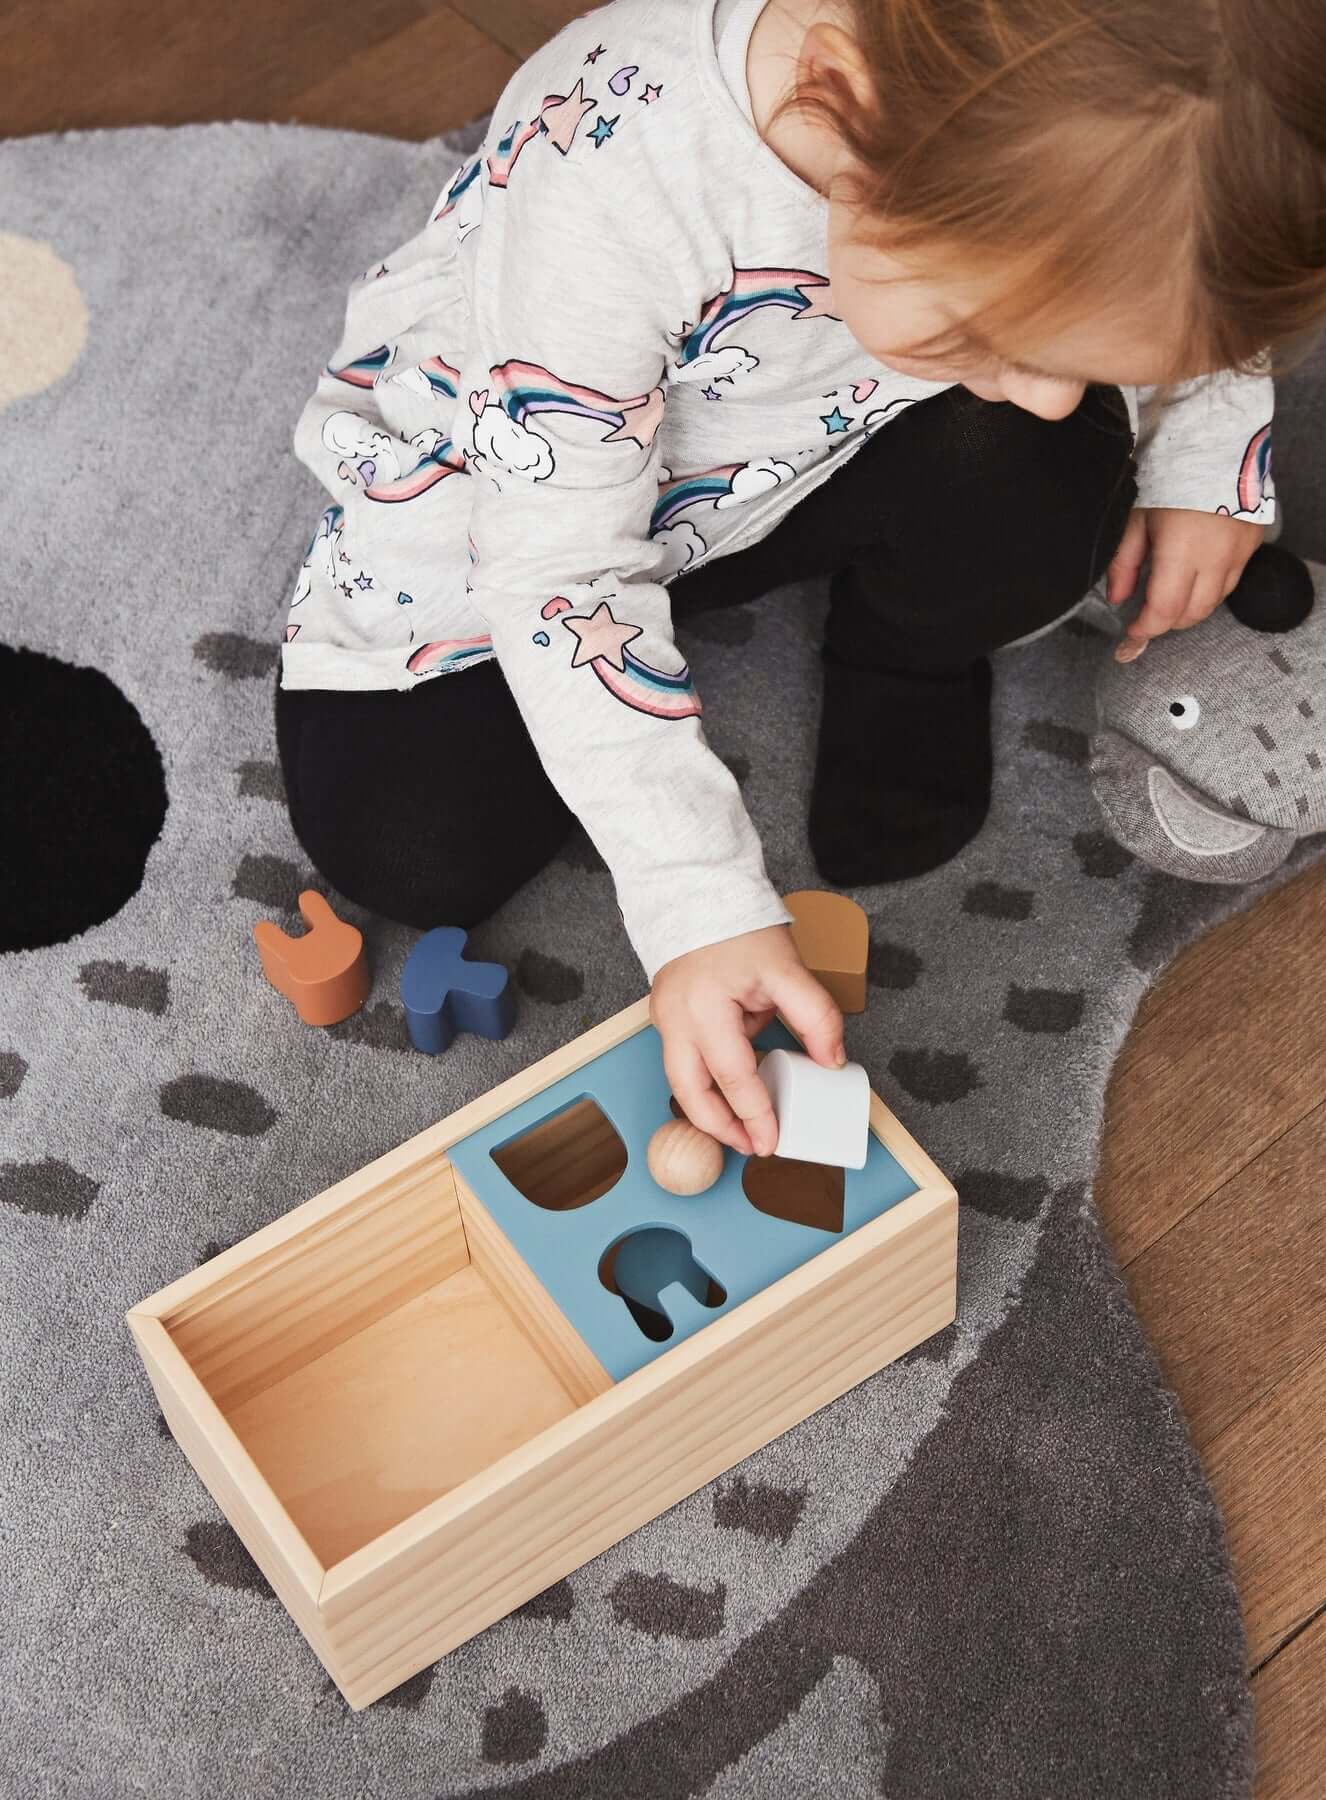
x: 409, y: 1435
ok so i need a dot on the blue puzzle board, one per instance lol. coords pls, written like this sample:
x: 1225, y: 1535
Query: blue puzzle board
x: 742, y: 1247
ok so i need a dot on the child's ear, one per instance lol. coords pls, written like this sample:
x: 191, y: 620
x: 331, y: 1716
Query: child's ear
x: 830, y: 57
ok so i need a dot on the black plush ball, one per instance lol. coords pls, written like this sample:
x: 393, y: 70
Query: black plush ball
x: 1274, y: 592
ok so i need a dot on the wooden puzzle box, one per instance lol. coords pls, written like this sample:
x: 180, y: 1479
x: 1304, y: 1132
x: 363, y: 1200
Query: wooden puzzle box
x: 424, y: 1395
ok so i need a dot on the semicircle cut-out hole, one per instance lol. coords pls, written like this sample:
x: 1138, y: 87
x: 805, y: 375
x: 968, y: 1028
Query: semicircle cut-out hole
x: 82, y: 803
x: 566, y: 1160
x: 640, y: 1266
x: 803, y: 1193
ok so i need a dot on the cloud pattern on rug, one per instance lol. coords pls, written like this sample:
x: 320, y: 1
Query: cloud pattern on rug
x: 82, y: 801
x: 43, y: 317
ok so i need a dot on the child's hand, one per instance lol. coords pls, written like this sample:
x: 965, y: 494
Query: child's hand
x: 1196, y: 559
x: 708, y: 1004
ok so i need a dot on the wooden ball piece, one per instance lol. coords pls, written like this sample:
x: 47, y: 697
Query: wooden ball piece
x: 683, y: 1159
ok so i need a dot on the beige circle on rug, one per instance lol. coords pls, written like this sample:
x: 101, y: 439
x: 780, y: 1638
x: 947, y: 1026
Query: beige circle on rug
x: 43, y: 321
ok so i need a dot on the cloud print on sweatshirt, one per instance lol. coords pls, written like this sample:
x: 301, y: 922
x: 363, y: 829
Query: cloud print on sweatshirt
x: 321, y: 553
x: 700, y: 355
x: 682, y: 545
x: 501, y: 442
x: 521, y: 391
x: 432, y: 379
x: 724, y: 364
x: 731, y: 485
x: 755, y: 478
x: 370, y: 458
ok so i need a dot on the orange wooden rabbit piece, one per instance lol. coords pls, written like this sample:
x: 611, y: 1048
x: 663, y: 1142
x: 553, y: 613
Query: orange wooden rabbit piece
x: 323, y: 974
x: 832, y: 936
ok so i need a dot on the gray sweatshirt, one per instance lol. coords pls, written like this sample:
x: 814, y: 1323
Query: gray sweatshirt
x: 610, y: 354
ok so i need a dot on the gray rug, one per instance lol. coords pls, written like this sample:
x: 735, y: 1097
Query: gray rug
x: 994, y: 1570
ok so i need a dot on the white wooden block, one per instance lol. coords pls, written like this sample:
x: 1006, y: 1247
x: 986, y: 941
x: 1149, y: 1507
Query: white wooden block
x: 823, y: 1114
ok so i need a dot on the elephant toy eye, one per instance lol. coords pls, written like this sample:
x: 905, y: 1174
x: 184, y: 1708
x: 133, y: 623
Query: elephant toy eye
x: 1184, y: 712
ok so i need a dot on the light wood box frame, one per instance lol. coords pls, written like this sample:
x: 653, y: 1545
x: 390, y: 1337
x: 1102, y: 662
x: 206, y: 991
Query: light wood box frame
x: 271, y: 1317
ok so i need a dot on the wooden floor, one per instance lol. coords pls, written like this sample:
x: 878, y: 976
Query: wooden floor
x: 1215, y: 1147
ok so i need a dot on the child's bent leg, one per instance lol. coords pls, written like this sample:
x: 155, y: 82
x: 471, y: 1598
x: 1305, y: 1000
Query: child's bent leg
x: 1007, y: 521
x: 428, y: 806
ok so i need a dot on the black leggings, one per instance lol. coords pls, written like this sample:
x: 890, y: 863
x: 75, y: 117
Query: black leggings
x: 962, y: 524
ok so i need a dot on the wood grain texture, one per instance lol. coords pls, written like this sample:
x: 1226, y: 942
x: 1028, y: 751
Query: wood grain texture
x: 520, y: 26
x: 1269, y: 1474
x: 420, y: 81
x: 565, y: 1161
x: 1291, y: 1719
x: 1210, y: 1185
x: 405, y: 1600
x: 232, y: 1478
x: 1235, y: 1294
x: 529, y: 1302
x: 274, y: 1302
x: 374, y: 1429
x: 1230, y: 1054
x: 73, y: 64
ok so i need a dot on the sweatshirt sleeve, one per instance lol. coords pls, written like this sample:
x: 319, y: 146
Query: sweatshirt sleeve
x: 562, y: 396
x: 378, y: 429
x: 1209, y: 447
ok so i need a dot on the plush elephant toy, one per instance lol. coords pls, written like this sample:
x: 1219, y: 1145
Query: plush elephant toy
x: 1209, y: 756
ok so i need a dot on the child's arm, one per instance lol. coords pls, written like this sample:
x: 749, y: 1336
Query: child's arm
x: 1209, y: 448
x: 1204, y: 499
x: 561, y: 401
x: 548, y: 392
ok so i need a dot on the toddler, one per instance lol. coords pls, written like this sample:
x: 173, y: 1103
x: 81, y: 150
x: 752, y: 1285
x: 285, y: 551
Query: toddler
x: 965, y: 306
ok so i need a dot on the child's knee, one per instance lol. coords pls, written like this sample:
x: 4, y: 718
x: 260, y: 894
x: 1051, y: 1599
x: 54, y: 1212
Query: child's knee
x: 399, y: 878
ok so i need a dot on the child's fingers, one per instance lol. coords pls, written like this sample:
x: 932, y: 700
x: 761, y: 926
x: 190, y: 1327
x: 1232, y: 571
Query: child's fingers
x: 1167, y: 597
x: 1127, y: 560
x: 753, y: 1023
x: 812, y: 1012
x: 700, y: 1100
x: 1207, y: 593
x: 1168, y: 593
x: 730, y: 1058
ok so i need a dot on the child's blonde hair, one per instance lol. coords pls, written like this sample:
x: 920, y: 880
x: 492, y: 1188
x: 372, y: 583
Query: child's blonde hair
x: 1078, y: 149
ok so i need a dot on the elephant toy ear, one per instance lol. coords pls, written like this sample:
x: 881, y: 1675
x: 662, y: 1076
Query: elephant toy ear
x: 1274, y: 592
